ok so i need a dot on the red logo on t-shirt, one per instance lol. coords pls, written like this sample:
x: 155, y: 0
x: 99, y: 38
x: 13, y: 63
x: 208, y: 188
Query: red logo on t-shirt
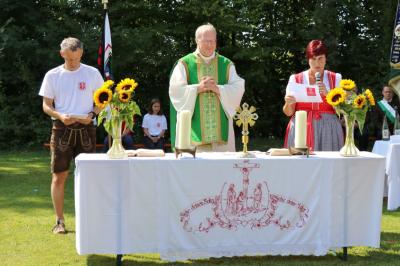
x: 82, y: 86
x: 311, y: 92
x: 158, y: 124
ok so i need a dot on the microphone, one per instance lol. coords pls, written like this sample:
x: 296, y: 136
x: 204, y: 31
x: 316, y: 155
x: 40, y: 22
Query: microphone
x: 317, y: 77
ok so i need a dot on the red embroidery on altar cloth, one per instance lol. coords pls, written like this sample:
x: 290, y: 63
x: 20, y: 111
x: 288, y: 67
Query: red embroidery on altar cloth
x: 248, y: 206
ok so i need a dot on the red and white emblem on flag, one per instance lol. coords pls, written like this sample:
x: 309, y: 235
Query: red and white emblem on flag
x: 82, y: 85
x: 311, y: 92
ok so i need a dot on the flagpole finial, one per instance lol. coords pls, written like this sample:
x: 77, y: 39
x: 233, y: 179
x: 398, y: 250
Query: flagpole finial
x: 105, y: 2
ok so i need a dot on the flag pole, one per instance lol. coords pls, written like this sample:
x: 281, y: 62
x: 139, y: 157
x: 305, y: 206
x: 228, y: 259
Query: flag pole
x: 105, y: 47
x: 394, y: 76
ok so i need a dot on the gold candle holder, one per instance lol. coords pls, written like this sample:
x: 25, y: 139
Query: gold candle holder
x: 300, y: 151
x: 178, y: 152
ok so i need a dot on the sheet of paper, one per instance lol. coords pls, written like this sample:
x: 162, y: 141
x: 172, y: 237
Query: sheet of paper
x: 304, y: 93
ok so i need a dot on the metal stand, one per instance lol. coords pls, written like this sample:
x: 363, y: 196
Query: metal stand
x: 180, y: 151
x: 299, y: 151
x: 119, y: 259
x: 344, y: 256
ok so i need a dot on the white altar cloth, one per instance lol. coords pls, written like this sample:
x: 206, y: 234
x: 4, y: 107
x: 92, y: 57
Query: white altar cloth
x: 391, y: 150
x: 393, y: 176
x: 381, y: 147
x: 218, y: 205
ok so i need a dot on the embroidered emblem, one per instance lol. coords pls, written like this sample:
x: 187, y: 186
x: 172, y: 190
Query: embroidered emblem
x: 82, y: 85
x: 247, y: 206
x: 158, y: 124
x: 311, y: 91
x: 397, y: 31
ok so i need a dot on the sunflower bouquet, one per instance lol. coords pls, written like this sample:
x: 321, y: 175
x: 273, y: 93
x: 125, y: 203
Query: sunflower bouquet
x: 353, y: 106
x: 345, y: 100
x: 117, y: 105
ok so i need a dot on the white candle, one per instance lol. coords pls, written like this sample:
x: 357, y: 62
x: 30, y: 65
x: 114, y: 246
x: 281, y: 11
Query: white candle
x: 184, y: 129
x: 300, y: 133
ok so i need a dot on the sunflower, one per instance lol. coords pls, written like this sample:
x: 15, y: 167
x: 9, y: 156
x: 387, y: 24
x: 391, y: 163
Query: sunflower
x: 359, y: 101
x: 124, y: 96
x: 126, y: 85
x: 370, y: 97
x: 102, y: 96
x: 108, y: 84
x: 336, y: 96
x: 347, y: 84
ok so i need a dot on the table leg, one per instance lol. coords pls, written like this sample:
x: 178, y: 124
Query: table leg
x: 119, y: 259
x: 345, y: 253
x: 344, y: 256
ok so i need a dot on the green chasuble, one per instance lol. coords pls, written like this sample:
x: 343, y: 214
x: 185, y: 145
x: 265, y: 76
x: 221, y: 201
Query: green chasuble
x: 209, y: 121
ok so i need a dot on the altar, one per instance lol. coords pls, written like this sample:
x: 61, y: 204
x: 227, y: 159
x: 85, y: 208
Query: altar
x: 218, y: 205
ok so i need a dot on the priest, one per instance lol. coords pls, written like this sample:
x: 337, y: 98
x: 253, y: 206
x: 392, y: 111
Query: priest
x: 206, y: 84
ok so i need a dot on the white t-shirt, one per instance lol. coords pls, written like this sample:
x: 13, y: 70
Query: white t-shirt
x: 154, y: 124
x: 72, y: 91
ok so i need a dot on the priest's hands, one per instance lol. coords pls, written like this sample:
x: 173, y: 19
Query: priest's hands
x: 208, y: 84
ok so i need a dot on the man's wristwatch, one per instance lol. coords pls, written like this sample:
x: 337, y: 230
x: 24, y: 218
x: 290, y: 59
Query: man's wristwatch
x: 93, y: 114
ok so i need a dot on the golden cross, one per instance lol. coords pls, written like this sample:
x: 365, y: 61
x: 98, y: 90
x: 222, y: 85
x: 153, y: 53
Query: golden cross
x: 245, y: 117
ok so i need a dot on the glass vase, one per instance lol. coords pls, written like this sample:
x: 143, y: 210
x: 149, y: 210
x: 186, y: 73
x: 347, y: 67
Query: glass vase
x: 349, y: 149
x: 116, y: 151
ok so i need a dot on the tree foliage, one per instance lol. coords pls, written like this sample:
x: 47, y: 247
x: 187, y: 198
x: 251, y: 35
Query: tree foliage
x: 265, y: 39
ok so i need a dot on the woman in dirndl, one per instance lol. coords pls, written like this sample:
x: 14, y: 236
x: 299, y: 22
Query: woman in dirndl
x: 324, y: 130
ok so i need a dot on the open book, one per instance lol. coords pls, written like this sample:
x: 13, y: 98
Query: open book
x: 145, y: 153
x: 289, y: 152
x: 278, y: 152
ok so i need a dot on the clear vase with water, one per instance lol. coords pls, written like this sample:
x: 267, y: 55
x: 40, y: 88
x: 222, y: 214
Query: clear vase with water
x: 349, y: 149
x: 116, y: 151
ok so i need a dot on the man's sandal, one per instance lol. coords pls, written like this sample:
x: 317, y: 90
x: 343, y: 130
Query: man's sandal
x: 59, y: 228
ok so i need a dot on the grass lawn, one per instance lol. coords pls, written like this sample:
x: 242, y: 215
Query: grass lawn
x: 26, y: 219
